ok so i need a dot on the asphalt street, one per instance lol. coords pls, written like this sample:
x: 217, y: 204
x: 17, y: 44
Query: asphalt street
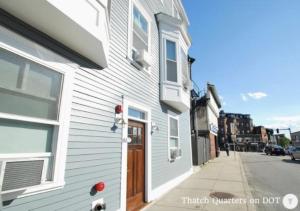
x: 271, y: 176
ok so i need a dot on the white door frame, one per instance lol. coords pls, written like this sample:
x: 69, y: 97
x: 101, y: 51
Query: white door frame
x: 148, y: 177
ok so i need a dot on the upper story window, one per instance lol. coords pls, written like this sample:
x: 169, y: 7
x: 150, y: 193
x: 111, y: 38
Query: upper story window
x: 139, y: 36
x: 174, y: 77
x: 171, y: 61
x: 140, y: 31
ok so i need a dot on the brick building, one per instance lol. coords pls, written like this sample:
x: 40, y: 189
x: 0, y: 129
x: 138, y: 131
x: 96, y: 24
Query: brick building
x: 295, y: 138
x: 232, y: 125
x: 262, y: 132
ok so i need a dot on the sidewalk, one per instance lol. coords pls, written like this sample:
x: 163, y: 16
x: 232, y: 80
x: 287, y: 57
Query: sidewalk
x: 223, y: 174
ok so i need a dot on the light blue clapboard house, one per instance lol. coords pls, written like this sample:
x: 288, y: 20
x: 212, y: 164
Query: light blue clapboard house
x: 94, y: 103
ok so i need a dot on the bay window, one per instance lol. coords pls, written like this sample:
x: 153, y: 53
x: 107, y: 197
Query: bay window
x: 140, y: 31
x: 174, y: 78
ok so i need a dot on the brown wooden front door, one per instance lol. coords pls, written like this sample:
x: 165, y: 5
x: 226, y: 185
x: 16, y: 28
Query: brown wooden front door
x: 136, y: 166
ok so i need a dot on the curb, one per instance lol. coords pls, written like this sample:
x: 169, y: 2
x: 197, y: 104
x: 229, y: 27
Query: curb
x: 250, y: 207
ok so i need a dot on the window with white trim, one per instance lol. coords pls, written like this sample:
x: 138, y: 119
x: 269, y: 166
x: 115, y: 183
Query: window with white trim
x: 140, y: 31
x: 171, y: 60
x: 174, y: 145
x: 30, y: 122
x: 139, y: 47
x: 136, y: 114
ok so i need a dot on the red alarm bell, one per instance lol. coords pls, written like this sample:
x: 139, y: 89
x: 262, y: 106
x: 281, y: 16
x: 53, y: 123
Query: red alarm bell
x: 99, y: 186
x: 118, y: 109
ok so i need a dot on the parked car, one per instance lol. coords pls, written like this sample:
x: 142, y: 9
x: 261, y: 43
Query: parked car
x: 289, y: 149
x: 274, y: 150
x: 295, y: 154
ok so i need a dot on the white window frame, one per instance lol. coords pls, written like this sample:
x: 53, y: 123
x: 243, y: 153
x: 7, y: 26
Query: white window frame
x: 169, y: 137
x: 178, y: 58
x: 61, y: 126
x: 148, y: 18
x: 166, y: 59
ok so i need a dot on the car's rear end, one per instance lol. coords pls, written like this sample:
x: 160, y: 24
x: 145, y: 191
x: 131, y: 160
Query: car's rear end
x: 277, y: 150
x: 295, y: 154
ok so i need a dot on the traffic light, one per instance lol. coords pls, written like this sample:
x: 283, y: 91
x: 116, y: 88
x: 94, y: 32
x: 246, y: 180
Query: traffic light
x: 277, y: 130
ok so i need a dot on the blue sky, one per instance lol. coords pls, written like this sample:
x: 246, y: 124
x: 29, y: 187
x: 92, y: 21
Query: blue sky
x: 250, y: 49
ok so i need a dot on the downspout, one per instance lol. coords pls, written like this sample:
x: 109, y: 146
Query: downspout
x: 192, y: 112
x: 191, y: 60
x: 207, y: 122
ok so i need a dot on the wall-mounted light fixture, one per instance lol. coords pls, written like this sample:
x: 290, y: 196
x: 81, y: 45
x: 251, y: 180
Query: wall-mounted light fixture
x: 154, y: 127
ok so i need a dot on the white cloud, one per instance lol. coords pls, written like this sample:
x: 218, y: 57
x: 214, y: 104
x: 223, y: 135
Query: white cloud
x: 253, y: 95
x: 257, y: 95
x: 244, y: 97
x: 292, y: 122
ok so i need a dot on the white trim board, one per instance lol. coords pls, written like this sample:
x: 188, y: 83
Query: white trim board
x: 163, y: 189
x: 148, y: 164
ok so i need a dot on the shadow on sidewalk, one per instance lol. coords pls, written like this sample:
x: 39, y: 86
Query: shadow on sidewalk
x: 291, y: 161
